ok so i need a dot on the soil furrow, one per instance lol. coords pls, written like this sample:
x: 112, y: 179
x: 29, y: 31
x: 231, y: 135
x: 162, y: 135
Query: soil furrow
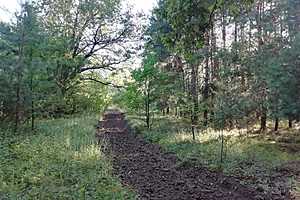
x: 156, y: 174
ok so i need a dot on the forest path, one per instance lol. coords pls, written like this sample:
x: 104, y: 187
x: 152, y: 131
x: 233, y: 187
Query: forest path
x: 155, y: 174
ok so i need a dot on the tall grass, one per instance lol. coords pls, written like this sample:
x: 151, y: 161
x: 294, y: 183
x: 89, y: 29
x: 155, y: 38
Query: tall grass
x: 60, y: 160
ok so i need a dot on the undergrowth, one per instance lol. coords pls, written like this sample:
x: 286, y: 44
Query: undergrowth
x: 59, y: 160
x: 243, y: 153
x: 255, y: 160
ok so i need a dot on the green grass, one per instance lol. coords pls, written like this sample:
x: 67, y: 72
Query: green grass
x: 252, y: 159
x: 60, y: 160
x: 244, y: 153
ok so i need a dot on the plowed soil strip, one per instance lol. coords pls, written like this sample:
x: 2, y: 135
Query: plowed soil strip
x: 155, y: 174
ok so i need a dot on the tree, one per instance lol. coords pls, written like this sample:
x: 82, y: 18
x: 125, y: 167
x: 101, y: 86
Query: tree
x: 88, y: 36
x: 186, y: 36
x: 44, y: 61
x: 148, y: 79
x: 23, y: 43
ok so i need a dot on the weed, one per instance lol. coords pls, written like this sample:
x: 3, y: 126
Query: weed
x: 60, y: 160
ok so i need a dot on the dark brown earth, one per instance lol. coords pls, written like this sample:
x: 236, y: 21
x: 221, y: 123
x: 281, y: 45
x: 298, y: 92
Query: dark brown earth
x: 156, y: 174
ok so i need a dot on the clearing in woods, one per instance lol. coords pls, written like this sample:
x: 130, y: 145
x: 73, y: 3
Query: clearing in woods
x: 156, y: 174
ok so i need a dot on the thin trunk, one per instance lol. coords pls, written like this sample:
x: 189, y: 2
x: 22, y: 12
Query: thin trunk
x: 222, y: 149
x: 17, y: 110
x: 19, y: 77
x: 235, y: 32
x: 206, y: 83
x: 31, y: 89
x: 290, y: 123
x: 235, y: 59
x: 243, y: 79
x: 276, y: 124
x: 224, y: 26
x: 193, y: 132
x: 194, y: 94
x: 214, y: 60
x: 32, y: 102
x: 263, y: 119
x: 147, y: 103
x: 214, y: 66
x: 250, y: 35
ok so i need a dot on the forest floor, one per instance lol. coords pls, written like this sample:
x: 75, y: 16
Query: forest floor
x: 155, y: 173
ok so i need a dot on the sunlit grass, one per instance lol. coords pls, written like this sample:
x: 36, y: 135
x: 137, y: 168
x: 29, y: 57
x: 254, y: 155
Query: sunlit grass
x: 242, y: 150
x: 254, y: 158
x: 60, y: 160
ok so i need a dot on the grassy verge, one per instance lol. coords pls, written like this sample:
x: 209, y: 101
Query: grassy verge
x: 252, y: 158
x: 60, y: 160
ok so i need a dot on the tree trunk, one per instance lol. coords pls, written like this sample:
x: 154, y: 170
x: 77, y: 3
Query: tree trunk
x: 32, y: 102
x: 290, y: 123
x: 147, y: 103
x: 194, y: 94
x: 224, y: 26
x: 222, y: 149
x: 214, y: 59
x: 193, y: 132
x: 19, y: 77
x: 206, y: 83
x: 17, y: 110
x: 263, y: 119
x: 276, y: 124
x: 214, y: 67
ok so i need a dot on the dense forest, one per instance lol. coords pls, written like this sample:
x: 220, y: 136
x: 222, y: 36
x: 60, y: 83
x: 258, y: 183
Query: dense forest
x: 214, y: 82
x: 234, y: 66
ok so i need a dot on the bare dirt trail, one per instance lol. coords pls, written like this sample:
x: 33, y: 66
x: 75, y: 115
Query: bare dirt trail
x: 155, y: 174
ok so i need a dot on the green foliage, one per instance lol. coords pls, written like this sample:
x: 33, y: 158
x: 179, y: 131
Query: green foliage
x: 147, y: 86
x: 23, y: 66
x: 188, y: 20
x: 258, y: 73
x: 47, y: 53
x: 58, y: 161
x: 288, y: 81
x: 89, y: 97
x: 130, y: 98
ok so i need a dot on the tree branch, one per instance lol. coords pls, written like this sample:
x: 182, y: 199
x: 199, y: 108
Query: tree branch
x: 212, y: 14
x: 103, y: 83
x: 108, y: 66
